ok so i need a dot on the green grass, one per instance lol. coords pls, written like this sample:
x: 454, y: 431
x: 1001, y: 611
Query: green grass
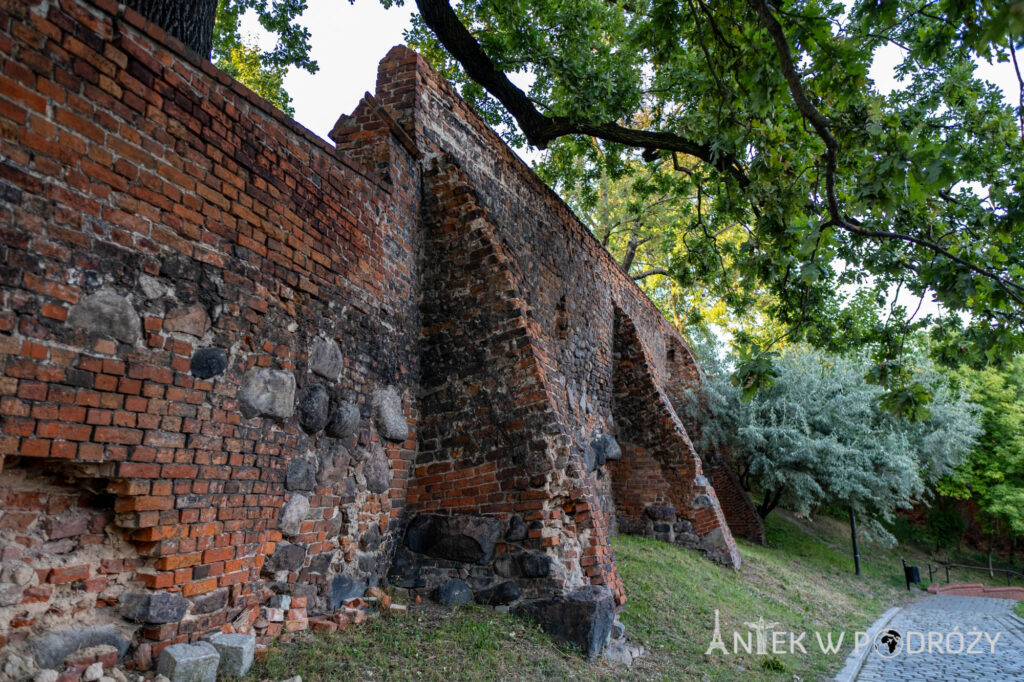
x: 1019, y: 609
x: 802, y: 579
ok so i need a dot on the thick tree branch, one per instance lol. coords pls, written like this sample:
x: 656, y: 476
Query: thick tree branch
x: 539, y: 129
x: 650, y: 273
x: 821, y: 128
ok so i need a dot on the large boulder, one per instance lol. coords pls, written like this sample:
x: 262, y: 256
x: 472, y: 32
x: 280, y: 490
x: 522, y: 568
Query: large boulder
x: 343, y: 421
x: 208, y: 362
x: 463, y: 538
x: 343, y: 588
x: 107, y: 313
x: 286, y: 557
x: 377, y: 470
x: 453, y: 592
x: 583, y: 618
x: 153, y: 607
x: 301, y: 475
x: 293, y: 513
x: 498, y: 595
x: 267, y: 393
x: 314, y: 408
x: 388, y: 415
x: 325, y: 359
x: 334, y: 461
x: 51, y: 649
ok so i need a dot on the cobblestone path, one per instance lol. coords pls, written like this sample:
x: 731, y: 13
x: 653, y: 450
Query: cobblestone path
x: 992, y: 648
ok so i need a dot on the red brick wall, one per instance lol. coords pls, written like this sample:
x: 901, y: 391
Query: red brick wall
x: 131, y: 167
x: 209, y: 225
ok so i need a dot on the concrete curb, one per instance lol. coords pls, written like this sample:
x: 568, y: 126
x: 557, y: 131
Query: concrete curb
x: 855, y: 661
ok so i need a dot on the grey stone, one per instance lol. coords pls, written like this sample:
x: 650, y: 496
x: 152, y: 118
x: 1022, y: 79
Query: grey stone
x: 192, y: 320
x: 314, y: 406
x: 618, y: 629
x: 620, y: 653
x: 715, y: 539
x: 535, y: 565
x: 377, y: 470
x: 153, y: 607
x: 343, y: 588
x: 210, y: 602
x: 661, y: 512
x: 453, y: 592
x: 701, y: 501
x: 51, y: 649
x: 388, y: 414
x: 334, y: 461
x: 321, y: 563
x: 268, y: 393
x: 502, y: 593
x: 208, y: 362
x: 46, y: 676
x: 516, y: 529
x: 344, y: 421
x: 523, y: 565
x: 236, y: 653
x: 300, y: 475
x: 151, y: 287
x: 93, y: 673
x: 293, y: 514
x: 10, y: 594
x: 189, y: 662
x: 605, y: 449
x: 464, y: 538
x: 370, y: 540
x: 107, y: 313
x: 583, y: 618
x: 280, y: 601
x: 286, y: 557
x: 325, y: 359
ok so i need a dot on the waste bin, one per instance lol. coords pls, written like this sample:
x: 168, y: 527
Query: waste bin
x: 911, y: 573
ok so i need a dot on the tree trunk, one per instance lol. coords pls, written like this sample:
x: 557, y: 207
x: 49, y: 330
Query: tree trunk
x: 190, y: 21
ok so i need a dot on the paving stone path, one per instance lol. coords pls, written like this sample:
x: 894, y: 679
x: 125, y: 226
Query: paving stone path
x: 925, y: 650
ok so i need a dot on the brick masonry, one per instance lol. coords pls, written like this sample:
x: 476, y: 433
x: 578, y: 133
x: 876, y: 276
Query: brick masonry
x: 237, y: 361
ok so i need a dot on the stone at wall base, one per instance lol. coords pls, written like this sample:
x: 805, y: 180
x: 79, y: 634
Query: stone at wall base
x: 583, y: 618
x: 189, y: 662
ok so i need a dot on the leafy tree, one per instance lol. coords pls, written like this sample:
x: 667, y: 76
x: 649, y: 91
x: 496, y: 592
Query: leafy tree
x: 817, y: 436
x: 769, y: 114
x: 262, y: 72
x: 993, y: 473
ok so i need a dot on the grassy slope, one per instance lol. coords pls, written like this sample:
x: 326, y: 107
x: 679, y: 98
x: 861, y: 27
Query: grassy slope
x: 802, y: 579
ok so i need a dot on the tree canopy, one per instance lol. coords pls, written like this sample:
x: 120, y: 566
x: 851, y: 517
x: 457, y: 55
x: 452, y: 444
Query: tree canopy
x: 818, y: 438
x: 768, y: 114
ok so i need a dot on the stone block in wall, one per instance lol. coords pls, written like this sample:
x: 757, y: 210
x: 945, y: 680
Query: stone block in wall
x: 153, y: 607
x: 267, y: 393
x: 106, y: 312
x: 463, y: 538
x: 388, y: 414
x: 51, y: 649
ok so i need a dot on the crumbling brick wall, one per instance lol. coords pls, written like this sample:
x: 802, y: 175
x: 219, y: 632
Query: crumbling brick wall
x: 258, y: 364
x: 682, y: 389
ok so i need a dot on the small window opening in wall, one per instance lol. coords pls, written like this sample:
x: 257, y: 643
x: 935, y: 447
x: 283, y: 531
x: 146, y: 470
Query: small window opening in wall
x: 670, y: 354
x: 562, y: 319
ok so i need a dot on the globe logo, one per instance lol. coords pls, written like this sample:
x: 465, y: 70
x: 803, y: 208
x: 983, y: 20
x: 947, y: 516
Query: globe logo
x: 888, y: 643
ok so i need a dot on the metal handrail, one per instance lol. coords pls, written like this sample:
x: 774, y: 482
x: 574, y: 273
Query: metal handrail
x: 1007, y: 571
